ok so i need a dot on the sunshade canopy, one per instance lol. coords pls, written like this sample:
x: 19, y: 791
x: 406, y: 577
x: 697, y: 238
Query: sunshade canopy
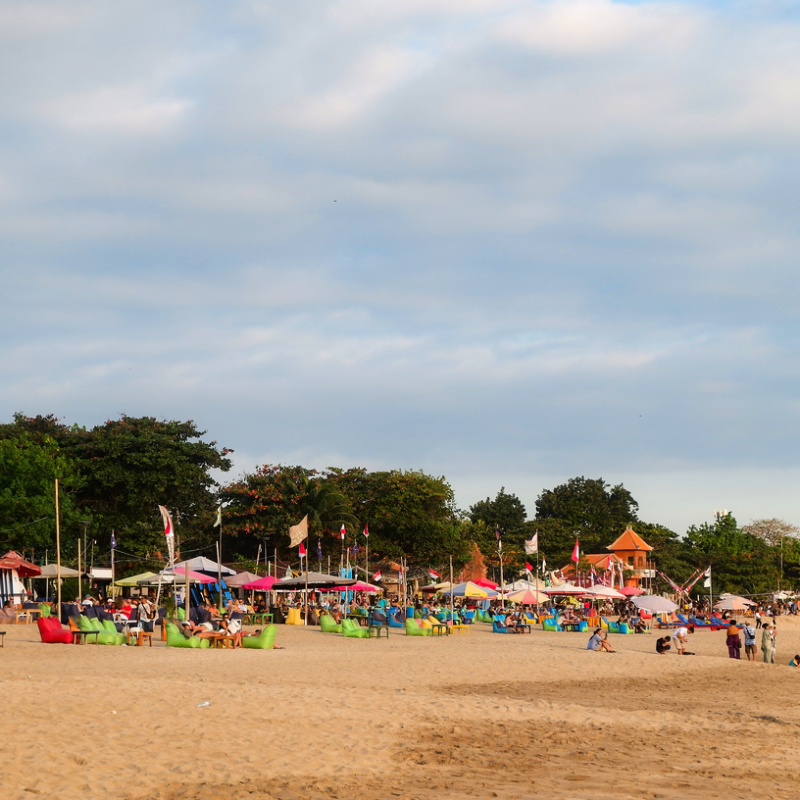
x: 527, y: 597
x: 51, y: 571
x: 470, y: 589
x: 139, y: 580
x: 241, y: 578
x: 654, y: 602
x: 203, y: 564
x: 316, y: 580
x: 261, y: 584
x: 25, y: 569
x: 564, y: 589
x: 598, y: 590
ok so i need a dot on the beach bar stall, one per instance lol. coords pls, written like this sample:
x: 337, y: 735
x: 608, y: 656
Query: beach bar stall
x: 13, y: 567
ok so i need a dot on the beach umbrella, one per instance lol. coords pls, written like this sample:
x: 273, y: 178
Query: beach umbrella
x: 527, y: 597
x: 655, y: 603
x: 203, y: 564
x: 485, y: 582
x: 564, y: 590
x: 471, y: 589
x: 598, y: 590
x: 23, y: 568
x: 264, y: 584
x: 51, y: 571
x: 136, y: 580
x: 732, y: 604
x: 358, y: 586
x: 241, y: 578
x: 631, y: 591
x: 315, y: 580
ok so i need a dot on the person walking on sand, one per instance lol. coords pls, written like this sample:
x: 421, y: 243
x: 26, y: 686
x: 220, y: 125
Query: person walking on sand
x: 749, y: 641
x: 768, y: 644
x: 734, y: 641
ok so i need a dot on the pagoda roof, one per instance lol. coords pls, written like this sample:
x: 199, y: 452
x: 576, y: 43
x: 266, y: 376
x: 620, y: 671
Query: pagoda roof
x: 630, y: 540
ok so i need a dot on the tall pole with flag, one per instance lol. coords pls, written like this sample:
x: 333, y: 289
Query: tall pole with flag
x: 707, y: 585
x: 342, y: 534
x: 366, y: 551
x: 452, y: 601
x: 302, y: 554
x: 499, y: 534
x: 576, y: 557
x: 58, y: 552
x: 532, y: 549
x: 113, y: 548
x: 218, y: 523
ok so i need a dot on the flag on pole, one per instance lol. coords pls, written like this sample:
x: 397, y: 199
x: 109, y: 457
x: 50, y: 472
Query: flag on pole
x: 113, y: 541
x: 297, y: 533
x: 355, y: 549
x: 302, y: 550
x: 366, y: 531
x: 532, y: 545
x: 528, y: 567
x: 218, y: 520
x: 319, y: 549
x: 342, y: 532
x: 377, y: 576
x: 576, y: 553
x: 707, y: 581
x: 544, y: 563
x: 435, y: 575
x: 497, y: 533
x: 169, y: 532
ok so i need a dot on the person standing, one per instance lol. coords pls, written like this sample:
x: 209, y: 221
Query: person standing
x: 680, y: 636
x: 749, y: 641
x: 734, y: 641
x: 768, y: 644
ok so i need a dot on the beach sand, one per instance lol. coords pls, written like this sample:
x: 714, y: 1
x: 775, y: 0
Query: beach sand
x: 471, y: 716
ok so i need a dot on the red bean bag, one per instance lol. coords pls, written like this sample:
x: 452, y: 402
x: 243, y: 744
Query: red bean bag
x: 51, y: 631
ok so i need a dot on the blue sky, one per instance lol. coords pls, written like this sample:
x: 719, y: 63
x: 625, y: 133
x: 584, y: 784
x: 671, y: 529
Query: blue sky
x: 505, y: 242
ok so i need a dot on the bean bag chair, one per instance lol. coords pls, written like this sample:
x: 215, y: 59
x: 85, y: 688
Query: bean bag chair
x: 51, y: 631
x: 393, y: 622
x: 105, y: 637
x: 413, y: 629
x: 176, y: 639
x: 329, y: 624
x: 264, y: 641
x: 353, y: 630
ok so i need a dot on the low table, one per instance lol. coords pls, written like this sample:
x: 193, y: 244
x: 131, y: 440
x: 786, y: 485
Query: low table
x: 83, y: 635
x: 461, y: 628
x: 440, y: 630
x: 2, y: 640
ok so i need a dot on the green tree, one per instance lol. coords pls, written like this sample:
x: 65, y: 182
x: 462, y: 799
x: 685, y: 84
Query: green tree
x: 505, y: 513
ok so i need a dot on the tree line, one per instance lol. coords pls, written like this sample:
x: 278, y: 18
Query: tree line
x: 113, y: 476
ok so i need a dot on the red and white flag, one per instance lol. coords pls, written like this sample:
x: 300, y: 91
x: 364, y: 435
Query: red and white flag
x: 544, y: 563
x: 302, y: 550
x: 433, y: 574
x: 576, y: 553
x: 377, y: 576
x: 169, y: 532
x: 528, y: 567
x: 342, y: 532
x: 366, y: 531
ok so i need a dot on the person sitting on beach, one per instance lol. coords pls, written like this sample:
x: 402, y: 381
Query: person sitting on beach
x: 795, y: 662
x: 663, y: 645
x: 233, y: 628
x: 599, y: 641
x: 638, y: 625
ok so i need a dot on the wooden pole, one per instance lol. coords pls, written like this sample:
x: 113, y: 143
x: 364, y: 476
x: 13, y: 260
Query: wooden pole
x: 452, y: 601
x: 58, y: 553
x: 79, y: 569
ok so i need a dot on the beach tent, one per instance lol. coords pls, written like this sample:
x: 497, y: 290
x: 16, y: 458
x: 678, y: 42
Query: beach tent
x: 13, y: 567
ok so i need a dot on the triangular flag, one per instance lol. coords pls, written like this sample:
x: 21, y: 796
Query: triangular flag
x: 302, y: 550
x: 366, y: 531
x: 433, y: 574
x: 342, y: 532
x: 377, y: 576
x: 576, y: 553
x: 528, y: 567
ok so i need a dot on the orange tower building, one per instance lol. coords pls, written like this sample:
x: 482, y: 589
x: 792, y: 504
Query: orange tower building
x: 632, y: 551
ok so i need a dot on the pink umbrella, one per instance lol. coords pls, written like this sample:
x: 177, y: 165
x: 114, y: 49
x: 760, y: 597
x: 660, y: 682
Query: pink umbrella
x: 358, y: 586
x: 194, y: 577
x: 263, y: 584
x: 630, y: 591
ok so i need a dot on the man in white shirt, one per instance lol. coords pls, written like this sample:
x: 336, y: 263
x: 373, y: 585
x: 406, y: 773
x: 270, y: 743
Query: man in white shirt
x: 680, y: 636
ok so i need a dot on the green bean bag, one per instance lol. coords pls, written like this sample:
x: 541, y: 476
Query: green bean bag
x: 413, y: 629
x: 329, y: 624
x: 176, y: 639
x: 94, y: 624
x: 353, y: 630
x: 264, y: 641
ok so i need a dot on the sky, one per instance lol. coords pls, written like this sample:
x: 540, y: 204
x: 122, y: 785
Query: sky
x: 504, y: 242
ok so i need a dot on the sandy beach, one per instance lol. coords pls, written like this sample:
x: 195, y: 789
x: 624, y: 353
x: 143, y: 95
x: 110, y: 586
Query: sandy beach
x: 479, y: 716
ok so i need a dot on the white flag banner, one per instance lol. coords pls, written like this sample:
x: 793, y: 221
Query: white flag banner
x: 532, y: 545
x: 707, y: 581
x: 169, y: 532
x: 299, y: 532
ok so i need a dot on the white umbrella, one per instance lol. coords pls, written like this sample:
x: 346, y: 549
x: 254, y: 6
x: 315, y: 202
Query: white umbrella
x: 51, y: 571
x: 564, y: 589
x: 598, y: 590
x: 654, y: 602
x: 732, y: 604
